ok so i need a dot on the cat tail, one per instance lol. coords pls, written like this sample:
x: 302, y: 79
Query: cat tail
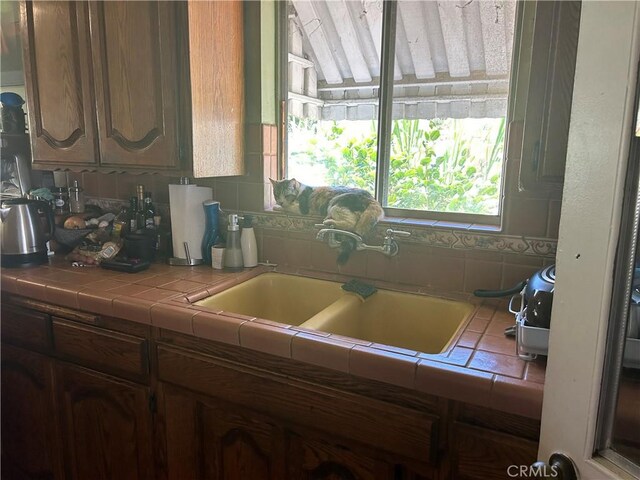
x: 347, y: 245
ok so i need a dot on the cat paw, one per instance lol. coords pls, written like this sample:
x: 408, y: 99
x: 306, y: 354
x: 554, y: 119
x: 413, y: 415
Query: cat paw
x: 329, y: 222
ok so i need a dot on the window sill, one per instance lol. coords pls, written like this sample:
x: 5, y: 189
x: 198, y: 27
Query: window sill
x: 399, y: 222
x: 394, y: 222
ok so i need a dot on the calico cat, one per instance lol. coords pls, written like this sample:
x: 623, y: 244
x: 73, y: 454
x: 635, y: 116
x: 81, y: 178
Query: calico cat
x: 344, y: 208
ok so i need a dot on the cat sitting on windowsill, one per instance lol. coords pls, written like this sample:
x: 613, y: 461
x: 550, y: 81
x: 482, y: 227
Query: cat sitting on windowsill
x: 344, y: 208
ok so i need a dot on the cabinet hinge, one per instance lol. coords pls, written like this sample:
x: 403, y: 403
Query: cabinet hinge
x: 153, y: 403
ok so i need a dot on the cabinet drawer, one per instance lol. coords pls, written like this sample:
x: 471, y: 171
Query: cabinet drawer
x: 485, y: 454
x: 111, y: 352
x: 26, y: 328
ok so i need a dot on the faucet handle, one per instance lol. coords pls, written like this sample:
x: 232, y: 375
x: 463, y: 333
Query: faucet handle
x: 397, y: 233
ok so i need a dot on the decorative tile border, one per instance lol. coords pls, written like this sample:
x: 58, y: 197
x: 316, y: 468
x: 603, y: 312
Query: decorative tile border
x: 433, y: 236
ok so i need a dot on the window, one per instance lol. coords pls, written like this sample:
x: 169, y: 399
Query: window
x: 407, y: 99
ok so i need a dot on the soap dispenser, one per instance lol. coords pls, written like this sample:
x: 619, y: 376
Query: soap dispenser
x: 248, y: 242
x: 233, y: 252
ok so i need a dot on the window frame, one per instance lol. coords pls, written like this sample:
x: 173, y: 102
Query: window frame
x: 385, y: 109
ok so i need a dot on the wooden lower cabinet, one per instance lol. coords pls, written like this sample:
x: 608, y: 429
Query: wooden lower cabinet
x: 192, y: 409
x: 106, y: 424
x: 210, y: 439
x: 30, y: 437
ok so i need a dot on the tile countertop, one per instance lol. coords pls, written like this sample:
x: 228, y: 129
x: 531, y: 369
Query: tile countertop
x: 480, y: 368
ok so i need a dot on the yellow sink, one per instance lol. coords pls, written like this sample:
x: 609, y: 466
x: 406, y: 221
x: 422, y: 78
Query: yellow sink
x: 405, y: 320
x: 415, y: 322
x: 275, y: 296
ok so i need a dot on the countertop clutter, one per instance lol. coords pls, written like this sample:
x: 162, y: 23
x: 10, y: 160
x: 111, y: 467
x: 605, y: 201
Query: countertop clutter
x: 480, y: 368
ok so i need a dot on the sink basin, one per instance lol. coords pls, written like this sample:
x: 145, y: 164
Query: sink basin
x: 275, y: 296
x: 405, y: 320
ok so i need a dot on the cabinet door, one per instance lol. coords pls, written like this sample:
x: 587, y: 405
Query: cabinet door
x: 106, y: 426
x: 327, y: 459
x: 135, y: 64
x: 30, y: 438
x: 547, y: 110
x: 216, y: 53
x: 210, y: 440
x: 57, y: 67
x: 482, y: 454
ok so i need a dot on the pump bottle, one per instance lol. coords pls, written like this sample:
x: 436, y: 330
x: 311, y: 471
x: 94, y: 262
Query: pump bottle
x: 233, y: 253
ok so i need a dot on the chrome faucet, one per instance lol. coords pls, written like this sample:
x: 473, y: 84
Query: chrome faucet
x: 389, y: 247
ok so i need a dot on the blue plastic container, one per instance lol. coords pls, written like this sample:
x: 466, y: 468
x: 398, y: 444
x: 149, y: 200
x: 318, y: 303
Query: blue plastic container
x: 212, y: 231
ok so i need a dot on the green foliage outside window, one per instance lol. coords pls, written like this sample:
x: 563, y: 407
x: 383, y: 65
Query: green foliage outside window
x: 435, y: 165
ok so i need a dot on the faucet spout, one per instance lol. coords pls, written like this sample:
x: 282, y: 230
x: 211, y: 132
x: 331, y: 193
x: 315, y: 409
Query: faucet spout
x: 334, y: 238
x: 332, y: 235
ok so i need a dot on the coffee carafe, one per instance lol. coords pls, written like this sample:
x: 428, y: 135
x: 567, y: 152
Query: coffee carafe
x: 23, y: 233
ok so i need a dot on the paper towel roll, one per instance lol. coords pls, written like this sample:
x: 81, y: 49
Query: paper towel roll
x: 187, y: 218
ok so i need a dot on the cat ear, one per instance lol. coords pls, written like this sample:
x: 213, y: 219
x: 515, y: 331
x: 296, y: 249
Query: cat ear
x: 273, y: 182
x: 295, y: 182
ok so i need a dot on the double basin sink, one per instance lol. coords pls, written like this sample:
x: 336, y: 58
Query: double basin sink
x: 415, y: 322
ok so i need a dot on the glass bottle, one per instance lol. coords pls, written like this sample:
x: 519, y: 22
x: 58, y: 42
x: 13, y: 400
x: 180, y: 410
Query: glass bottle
x: 211, y: 232
x: 149, y: 211
x: 76, y: 198
x: 120, y: 223
x: 163, y: 239
x: 133, y: 214
x: 140, y: 221
x: 60, y: 200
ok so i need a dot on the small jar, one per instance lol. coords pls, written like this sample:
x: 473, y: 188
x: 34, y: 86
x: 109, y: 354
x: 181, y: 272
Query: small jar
x: 60, y: 200
x: 76, y: 198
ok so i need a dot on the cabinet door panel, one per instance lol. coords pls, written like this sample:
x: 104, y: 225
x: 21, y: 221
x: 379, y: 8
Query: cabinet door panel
x: 548, y: 100
x: 210, y: 441
x: 107, y: 426
x: 319, y: 459
x: 30, y: 438
x: 57, y: 65
x: 136, y: 82
x: 484, y: 454
x: 217, y: 87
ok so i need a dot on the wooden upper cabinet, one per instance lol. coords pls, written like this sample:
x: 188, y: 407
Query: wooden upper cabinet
x: 57, y: 65
x: 216, y: 57
x: 135, y: 65
x: 136, y: 86
x: 541, y: 101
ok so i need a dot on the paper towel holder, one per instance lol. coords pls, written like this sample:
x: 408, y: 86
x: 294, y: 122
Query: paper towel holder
x: 185, y: 262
